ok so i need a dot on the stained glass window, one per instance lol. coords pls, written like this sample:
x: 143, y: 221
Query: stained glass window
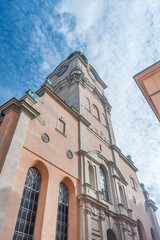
x: 28, y: 207
x: 62, y: 216
x: 103, y: 182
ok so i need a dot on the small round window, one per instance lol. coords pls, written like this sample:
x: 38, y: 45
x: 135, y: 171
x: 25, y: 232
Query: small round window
x: 69, y: 154
x: 45, y: 137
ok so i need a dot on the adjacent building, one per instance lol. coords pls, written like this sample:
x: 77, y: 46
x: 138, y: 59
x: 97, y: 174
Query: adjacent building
x: 62, y: 175
x: 149, y: 83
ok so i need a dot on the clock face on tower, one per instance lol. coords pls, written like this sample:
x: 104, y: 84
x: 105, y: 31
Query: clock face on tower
x: 62, y: 70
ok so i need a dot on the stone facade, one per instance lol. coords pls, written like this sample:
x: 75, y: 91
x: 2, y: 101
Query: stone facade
x: 66, y: 134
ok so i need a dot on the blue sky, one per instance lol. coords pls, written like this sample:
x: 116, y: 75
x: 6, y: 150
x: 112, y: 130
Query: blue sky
x: 119, y: 38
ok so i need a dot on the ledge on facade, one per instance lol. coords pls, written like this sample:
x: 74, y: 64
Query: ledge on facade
x: 105, y: 208
x: 85, y: 197
x: 47, y: 88
x: 85, y: 153
x: 74, y: 109
x: 60, y: 132
x: 105, y: 142
x: 121, y: 205
x: 30, y: 100
x: 151, y: 204
x: 126, y: 219
x: 121, y: 178
x: 83, y: 120
x: 19, y: 105
x: 87, y: 185
x: 114, y: 147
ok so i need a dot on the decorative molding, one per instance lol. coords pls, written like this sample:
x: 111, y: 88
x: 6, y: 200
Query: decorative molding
x: 151, y: 204
x: 46, y: 88
x: 18, y: 106
x: 114, y: 147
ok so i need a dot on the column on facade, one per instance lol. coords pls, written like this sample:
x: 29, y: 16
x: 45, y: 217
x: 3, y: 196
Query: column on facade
x: 12, y: 160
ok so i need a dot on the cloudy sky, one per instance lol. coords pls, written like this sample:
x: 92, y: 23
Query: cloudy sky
x: 119, y: 38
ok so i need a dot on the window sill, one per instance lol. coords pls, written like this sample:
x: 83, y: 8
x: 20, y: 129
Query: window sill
x: 60, y: 132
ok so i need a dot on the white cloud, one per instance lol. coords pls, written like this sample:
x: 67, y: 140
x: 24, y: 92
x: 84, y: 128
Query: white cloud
x: 120, y: 39
x: 45, y: 66
x: 86, y: 13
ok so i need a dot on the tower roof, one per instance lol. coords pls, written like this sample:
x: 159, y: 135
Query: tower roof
x: 80, y: 53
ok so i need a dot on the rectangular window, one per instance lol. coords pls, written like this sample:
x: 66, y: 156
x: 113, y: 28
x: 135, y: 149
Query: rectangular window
x: 61, y: 126
x: 133, y: 183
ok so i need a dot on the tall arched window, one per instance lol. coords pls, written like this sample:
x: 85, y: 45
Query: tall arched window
x: 95, y: 112
x: 153, y: 234
x: 141, y: 231
x: 88, y: 104
x: 104, y: 187
x: 111, y: 235
x: 62, y: 216
x: 122, y: 197
x: 91, y: 177
x: 27, y: 212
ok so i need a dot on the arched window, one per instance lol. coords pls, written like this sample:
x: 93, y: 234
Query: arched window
x: 88, y: 104
x: 28, y: 207
x: 91, y: 177
x: 153, y: 234
x: 133, y: 184
x: 62, y: 216
x: 95, y: 112
x: 122, y: 197
x: 103, y: 182
x: 111, y: 235
x: 141, y: 231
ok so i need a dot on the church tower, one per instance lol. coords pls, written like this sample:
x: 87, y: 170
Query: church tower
x: 61, y: 174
